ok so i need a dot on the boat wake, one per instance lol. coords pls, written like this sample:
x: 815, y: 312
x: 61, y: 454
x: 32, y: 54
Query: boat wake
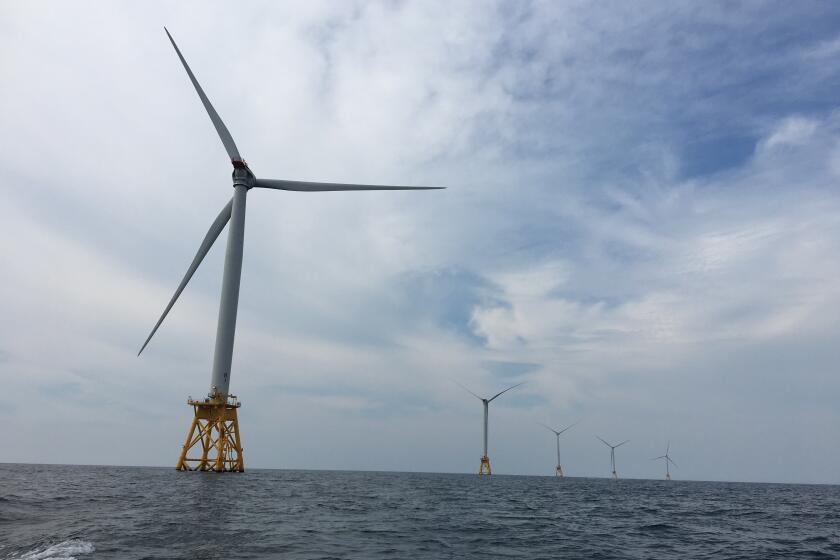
x: 67, y: 550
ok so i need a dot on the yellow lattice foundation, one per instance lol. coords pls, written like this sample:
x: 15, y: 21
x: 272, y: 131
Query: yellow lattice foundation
x: 214, y: 434
x: 558, y: 471
x: 484, y: 467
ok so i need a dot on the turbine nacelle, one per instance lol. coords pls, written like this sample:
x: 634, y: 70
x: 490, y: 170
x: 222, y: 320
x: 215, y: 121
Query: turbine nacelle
x: 243, y: 176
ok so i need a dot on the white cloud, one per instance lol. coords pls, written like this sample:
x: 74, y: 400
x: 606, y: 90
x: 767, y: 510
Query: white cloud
x: 792, y: 131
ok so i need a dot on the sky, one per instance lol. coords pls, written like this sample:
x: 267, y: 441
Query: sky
x: 641, y: 222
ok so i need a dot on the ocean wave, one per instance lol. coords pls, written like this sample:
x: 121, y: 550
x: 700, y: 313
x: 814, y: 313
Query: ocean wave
x: 657, y: 527
x: 66, y: 550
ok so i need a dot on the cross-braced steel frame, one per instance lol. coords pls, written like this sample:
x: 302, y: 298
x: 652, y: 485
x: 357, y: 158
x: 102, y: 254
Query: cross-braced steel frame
x: 215, y: 434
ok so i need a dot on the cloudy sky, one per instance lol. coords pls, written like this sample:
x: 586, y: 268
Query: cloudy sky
x: 642, y: 221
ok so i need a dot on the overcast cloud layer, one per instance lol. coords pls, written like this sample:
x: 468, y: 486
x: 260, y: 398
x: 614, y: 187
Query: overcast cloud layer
x: 642, y: 221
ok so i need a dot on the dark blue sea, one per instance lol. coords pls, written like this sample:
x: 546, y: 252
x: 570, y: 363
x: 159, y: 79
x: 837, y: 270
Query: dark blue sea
x: 82, y: 512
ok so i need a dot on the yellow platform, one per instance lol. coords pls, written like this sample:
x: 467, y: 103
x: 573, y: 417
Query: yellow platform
x: 214, y: 434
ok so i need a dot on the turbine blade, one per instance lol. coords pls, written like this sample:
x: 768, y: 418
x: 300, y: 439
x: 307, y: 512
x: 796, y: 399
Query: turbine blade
x: 622, y: 443
x: 307, y: 186
x: 505, y: 391
x: 549, y: 428
x: 605, y: 443
x: 467, y: 390
x: 672, y: 461
x: 224, y: 134
x: 567, y: 428
x: 660, y: 457
x: 668, y: 448
x: 214, y: 231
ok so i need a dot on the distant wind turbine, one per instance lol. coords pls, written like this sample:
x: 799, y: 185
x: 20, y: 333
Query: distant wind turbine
x: 558, y: 471
x: 668, y: 461
x: 484, y: 466
x: 612, y: 454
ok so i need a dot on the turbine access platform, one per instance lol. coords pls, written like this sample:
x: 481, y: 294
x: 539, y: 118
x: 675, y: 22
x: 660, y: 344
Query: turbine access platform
x: 215, y: 434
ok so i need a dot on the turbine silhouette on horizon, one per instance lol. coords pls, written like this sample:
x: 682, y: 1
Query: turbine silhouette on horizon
x: 215, y: 425
x: 612, y: 454
x: 558, y: 470
x: 668, y: 461
x: 484, y: 465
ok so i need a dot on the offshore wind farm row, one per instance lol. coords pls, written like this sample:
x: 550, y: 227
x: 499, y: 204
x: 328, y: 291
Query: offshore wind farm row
x: 484, y: 467
x: 213, y: 441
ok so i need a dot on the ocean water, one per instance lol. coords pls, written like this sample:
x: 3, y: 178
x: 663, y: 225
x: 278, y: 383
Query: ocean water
x: 82, y: 512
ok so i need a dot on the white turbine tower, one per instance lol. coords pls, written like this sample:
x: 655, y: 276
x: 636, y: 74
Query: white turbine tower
x: 558, y: 471
x: 215, y: 426
x: 612, y: 454
x: 668, y: 461
x: 484, y: 466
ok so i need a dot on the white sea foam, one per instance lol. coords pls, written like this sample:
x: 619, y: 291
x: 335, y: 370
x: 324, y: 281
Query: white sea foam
x: 66, y: 550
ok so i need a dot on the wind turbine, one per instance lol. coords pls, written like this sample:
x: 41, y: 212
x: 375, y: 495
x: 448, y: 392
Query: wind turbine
x: 558, y: 471
x: 668, y: 461
x: 484, y: 466
x: 612, y: 454
x: 215, y: 426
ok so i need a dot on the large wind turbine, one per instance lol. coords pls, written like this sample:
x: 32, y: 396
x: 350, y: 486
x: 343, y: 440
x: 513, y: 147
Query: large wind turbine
x: 215, y: 425
x: 484, y: 466
x: 612, y: 454
x: 668, y: 461
x: 558, y: 471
